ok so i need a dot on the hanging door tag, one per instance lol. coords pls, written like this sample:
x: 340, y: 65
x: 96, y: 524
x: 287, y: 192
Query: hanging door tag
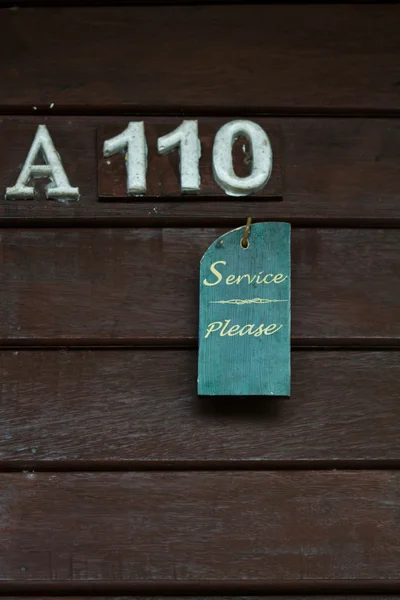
x: 244, y: 330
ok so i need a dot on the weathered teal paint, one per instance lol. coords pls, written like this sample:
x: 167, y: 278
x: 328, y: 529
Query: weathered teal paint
x: 244, y: 329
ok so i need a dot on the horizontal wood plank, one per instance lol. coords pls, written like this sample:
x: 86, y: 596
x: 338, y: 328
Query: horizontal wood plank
x: 66, y: 3
x: 155, y: 3
x: 269, y: 597
x: 124, y: 409
x: 335, y: 171
x: 244, y: 528
x: 342, y: 58
x: 140, y: 286
x: 219, y: 597
x: 111, y: 3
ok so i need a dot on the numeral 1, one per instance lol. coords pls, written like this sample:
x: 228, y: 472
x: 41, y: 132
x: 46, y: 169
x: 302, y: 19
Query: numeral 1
x: 131, y: 143
x: 186, y: 138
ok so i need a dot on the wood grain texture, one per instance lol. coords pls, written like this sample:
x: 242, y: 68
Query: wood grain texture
x: 114, y: 3
x: 337, y: 171
x: 252, y: 597
x: 180, y: 527
x: 140, y: 286
x: 342, y: 58
x: 243, y: 528
x: 66, y: 3
x: 155, y: 3
x: 163, y: 171
x: 139, y: 408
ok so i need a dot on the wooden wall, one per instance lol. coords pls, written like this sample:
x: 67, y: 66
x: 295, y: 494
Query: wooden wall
x: 115, y: 477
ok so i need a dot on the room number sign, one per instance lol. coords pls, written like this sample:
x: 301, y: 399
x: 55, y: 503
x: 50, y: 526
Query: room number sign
x: 185, y: 140
x: 158, y: 157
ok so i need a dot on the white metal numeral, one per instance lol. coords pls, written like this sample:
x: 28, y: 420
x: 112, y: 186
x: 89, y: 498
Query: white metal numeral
x: 185, y: 137
x: 261, y: 152
x: 132, y: 143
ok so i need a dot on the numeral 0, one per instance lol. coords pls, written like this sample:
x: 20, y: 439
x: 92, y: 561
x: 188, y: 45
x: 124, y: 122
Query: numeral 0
x: 132, y: 143
x: 261, y: 153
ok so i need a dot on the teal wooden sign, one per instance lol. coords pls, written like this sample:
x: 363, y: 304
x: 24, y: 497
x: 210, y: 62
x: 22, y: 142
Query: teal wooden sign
x: 244, y: 329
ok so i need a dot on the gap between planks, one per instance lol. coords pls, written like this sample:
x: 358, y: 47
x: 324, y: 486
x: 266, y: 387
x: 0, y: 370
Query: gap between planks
x: 232, y: 588
x: 210, y: 466
x: 191, y: 222
x: 194, y: 111
x: 368, y: 344
x: 193, y: 348
x: 9, y: 4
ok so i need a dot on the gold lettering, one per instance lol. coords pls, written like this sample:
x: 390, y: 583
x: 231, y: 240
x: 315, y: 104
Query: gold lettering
x: 233, y: 330
x: 246, y: 277
x: 271, y: 329
x: 279, y: 278
x: 265, y: 279
x: 259, y: 331
x: 249, y: 331
x: 213, y: 327
x: 223, y: 328
x: 258, y: 277
x: 250, y: 279
x: 215, y: 272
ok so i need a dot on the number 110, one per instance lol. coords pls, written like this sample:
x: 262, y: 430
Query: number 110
x: 132, y: 143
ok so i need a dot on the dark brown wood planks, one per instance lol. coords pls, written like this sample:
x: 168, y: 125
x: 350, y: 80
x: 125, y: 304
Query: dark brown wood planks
x: 140, y: 286
x: 335, y: 171
x: 245, y: 531
x: 269, y: 597
x: 107, y: 409
x: 341, y: 58
x: 231, y: 528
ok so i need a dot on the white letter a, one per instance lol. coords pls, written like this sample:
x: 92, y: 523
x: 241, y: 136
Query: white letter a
x: 59, y: 187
